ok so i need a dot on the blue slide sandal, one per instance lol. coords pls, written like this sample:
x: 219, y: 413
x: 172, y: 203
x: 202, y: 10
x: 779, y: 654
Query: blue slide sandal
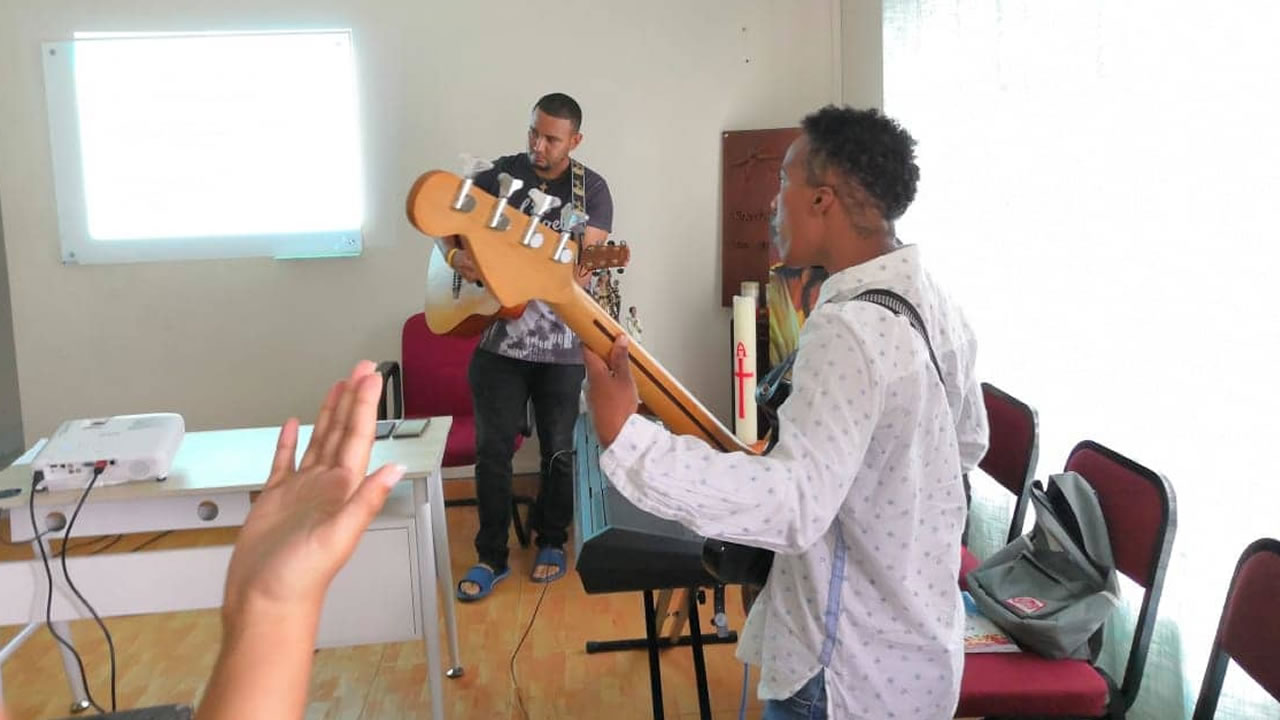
x: 484, y: 577
x: 549, y: 556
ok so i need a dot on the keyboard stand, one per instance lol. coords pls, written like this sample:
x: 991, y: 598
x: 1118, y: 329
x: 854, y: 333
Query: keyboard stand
x: 653, y: 641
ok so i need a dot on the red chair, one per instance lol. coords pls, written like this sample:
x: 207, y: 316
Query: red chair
x: 431, y: 380
x: 1139, y: 507
x: 1249, y: 631
x: 1012, y: 452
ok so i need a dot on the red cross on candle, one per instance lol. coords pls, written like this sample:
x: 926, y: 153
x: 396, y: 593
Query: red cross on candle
x: 742, y: 376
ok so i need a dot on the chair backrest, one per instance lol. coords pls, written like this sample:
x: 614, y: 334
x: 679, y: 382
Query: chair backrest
x: 1013, y: 448
x: 1139, y: 506
x: 435, y: 371
x: 1249, y: 631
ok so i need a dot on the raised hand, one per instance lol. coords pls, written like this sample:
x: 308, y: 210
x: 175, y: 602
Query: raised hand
x: 301, y: 530
x: 305, y: 524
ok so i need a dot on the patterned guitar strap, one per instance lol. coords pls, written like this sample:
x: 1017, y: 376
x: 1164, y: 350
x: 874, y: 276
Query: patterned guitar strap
x: 608, y: 298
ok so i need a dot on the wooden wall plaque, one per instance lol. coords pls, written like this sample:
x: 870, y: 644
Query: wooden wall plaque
x: 751, y: 162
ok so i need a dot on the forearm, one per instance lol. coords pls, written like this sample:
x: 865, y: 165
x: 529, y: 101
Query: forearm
x: 264, y: 667
x: 780, y: 502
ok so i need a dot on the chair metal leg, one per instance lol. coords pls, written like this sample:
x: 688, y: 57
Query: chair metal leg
x: 75, y: 681
x: 522, y: 533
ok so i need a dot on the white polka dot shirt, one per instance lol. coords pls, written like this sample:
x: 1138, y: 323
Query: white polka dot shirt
x: 861, y: 500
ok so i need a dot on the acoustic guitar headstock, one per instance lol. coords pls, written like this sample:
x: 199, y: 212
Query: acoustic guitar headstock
x: 604, y: 257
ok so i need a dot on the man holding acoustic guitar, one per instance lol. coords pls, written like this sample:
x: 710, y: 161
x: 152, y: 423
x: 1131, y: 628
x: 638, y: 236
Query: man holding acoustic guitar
x: 533, y: 356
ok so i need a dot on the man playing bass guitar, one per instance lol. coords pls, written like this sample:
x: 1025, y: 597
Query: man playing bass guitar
x: 861, y: 500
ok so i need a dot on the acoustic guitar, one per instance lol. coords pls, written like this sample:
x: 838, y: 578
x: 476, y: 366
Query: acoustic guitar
x: 464, y: 309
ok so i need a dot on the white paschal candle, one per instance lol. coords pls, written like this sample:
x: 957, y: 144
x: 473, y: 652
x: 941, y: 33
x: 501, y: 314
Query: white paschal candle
x: 744, y: 368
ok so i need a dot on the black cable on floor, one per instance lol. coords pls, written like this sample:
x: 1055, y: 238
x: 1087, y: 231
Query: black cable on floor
x: 514, y: 683
x: 36, y: 479
x: 111, y: 647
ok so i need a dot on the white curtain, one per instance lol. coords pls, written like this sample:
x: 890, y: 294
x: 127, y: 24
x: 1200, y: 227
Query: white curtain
x: 1099, y: 184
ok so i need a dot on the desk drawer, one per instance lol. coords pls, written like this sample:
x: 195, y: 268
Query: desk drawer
x: 373, y: 598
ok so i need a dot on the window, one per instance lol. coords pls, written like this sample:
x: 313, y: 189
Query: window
x: 208, y: 145
x: 1097, y: 181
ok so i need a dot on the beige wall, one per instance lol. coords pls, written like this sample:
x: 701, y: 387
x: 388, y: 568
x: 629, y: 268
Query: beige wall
x: 249, y: 342
x: 11, y: 441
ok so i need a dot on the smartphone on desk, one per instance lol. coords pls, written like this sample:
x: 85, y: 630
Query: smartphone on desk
x: 410, y: 428
x: 384, y: 428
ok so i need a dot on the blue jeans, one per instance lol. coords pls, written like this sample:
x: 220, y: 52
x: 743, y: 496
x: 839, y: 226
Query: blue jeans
x: 809, y: 703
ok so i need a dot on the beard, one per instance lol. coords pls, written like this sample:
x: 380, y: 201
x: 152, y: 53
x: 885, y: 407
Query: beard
x: 542, y: 164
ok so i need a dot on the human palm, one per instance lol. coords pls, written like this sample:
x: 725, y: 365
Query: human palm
x: 306, y: 522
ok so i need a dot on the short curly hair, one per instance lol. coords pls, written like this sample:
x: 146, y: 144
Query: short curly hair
x: 559, y: 105
x: 868, y: 148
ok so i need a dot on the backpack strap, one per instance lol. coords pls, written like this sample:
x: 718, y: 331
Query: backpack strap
x: 887, y: 299
x: 898, y: 305
x: 774, y: 387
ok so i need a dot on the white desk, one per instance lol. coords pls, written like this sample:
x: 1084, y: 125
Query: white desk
x: 384, y: 593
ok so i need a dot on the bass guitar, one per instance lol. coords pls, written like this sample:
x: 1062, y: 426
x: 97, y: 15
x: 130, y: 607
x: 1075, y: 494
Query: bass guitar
x: 518, y: 264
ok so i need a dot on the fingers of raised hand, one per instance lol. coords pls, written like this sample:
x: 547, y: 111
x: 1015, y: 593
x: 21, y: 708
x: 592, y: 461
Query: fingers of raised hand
x: 332, y: 441
x: 286, y: 452
x: 363, y: 504
x: 324, y: 421
x: 357, y: 441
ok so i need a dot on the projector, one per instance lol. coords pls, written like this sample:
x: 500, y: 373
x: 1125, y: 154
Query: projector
x: 131, y: 448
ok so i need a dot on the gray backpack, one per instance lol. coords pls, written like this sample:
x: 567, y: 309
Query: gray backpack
x: 1052, y: 589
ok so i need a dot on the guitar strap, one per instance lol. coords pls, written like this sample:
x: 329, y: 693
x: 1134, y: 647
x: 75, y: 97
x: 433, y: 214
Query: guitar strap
x: 608, y: 297
x: 579, y: 183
